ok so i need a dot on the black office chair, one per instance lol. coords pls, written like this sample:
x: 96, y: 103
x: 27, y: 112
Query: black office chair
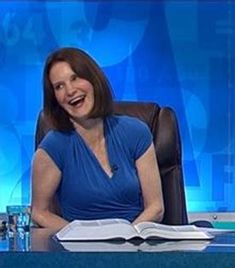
x: 164, y: 127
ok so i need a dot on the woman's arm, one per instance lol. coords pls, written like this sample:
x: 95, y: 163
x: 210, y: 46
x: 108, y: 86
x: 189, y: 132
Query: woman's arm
x: 45, y: 180
x: 150, y: 181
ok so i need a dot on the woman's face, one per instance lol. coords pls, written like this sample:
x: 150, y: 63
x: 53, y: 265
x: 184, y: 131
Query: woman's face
x: 74, y: 94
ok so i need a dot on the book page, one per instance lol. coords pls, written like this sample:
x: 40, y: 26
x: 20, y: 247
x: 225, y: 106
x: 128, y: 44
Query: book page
x: 215, y: 231
x: 98, y: 222
x: 156, y: 230
x: 163, y: 227
x: 97, y: 230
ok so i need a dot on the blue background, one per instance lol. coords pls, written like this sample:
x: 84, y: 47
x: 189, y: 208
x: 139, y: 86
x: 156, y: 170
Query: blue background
x: 175, y: 53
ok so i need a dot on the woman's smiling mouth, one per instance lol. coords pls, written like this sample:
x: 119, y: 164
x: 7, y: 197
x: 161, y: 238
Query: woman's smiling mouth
x: 77, y: 101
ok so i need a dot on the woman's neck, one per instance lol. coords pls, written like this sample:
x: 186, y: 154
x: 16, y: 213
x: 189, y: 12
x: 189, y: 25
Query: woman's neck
x: 91, y: 130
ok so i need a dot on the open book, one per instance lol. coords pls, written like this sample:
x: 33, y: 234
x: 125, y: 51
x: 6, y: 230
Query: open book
x: 122, y: 229
x: 133, y: 246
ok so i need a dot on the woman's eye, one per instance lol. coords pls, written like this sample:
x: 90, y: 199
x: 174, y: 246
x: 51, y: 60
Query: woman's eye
x: 58, y: 86
x: 74, y: 77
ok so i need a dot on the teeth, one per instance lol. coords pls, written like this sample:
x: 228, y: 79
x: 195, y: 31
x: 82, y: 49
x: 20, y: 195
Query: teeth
x: 75, y: 100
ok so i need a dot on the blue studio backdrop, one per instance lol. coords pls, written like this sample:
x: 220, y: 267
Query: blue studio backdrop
x: 175, y: 53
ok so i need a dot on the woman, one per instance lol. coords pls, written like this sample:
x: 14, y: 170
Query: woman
x: 99, y: 165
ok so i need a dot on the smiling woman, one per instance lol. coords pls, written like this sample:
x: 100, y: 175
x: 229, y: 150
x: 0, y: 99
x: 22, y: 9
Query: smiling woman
x: 74, y: 94
x: 75, y: 161
x: 68, y: 72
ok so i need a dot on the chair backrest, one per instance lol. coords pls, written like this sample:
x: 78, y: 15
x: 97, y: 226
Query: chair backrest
x: 164, y: 127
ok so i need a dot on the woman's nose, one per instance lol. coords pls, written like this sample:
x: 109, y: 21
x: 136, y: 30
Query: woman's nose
x: 70, y: 89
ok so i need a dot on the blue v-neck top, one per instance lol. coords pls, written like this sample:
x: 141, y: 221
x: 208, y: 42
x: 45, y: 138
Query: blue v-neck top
x: 86, y: 191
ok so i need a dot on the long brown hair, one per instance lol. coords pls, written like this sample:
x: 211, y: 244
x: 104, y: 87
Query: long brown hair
x: 85, y: 67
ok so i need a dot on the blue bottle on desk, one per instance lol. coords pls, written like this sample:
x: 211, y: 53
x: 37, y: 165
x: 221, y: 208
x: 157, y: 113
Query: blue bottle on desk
x: 20, y: 241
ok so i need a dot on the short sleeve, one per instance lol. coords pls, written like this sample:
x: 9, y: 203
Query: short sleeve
x: 139, y: 136
x: 53, y: 144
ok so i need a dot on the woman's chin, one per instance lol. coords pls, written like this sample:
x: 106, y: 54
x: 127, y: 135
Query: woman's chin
x: 79, y: 118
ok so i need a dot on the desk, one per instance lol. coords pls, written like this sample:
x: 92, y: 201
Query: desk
x: 44, y: 251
